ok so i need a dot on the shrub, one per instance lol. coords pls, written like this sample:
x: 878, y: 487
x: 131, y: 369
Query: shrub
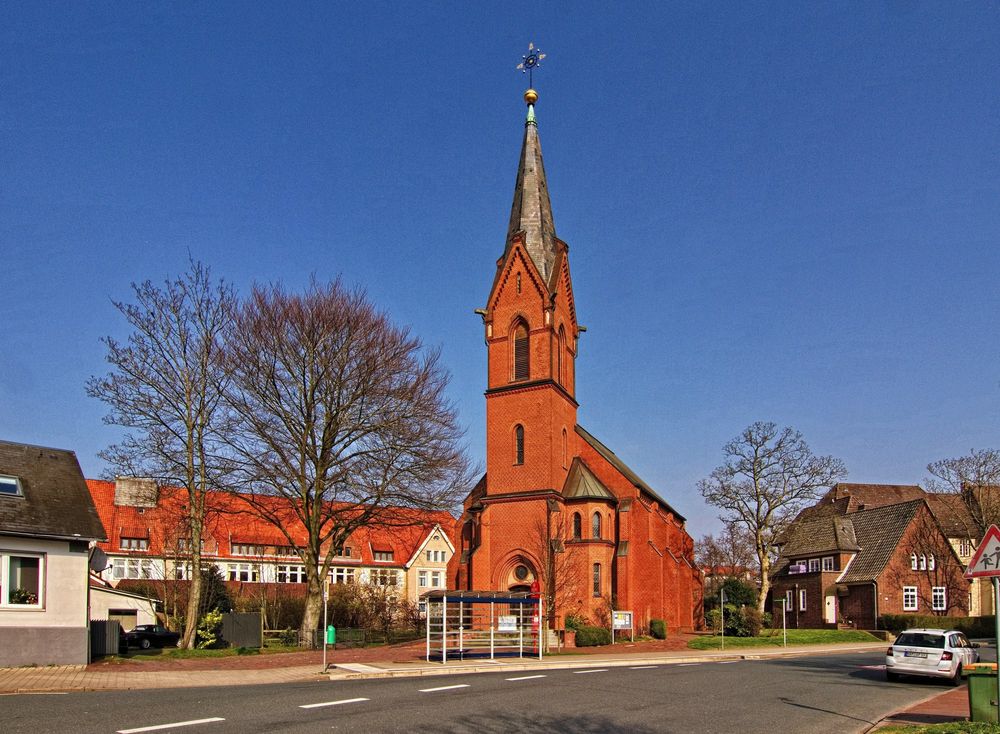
x: 210, y: 630
x: 971, y: 626
x: 248, y: 651
x: 746, y: 622
x: 658, y: 629
x: 587, y: 636
x: 576, y: 621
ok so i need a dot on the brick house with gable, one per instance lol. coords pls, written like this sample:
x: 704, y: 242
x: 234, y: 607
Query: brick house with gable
x: 558, y: 510
x: 845, y: 561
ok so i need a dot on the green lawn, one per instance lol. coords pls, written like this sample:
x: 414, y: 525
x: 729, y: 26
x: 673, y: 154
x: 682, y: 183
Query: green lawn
x: 174, y: 653
x: 957, y: 727
x: 773, y: 639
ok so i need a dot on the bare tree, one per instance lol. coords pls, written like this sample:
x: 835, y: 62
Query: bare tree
x: 768, y: 475
x: 976, y: 479
x: 342, y: 422
x: 165, y: 388
x: 562, y: 574
x: 731, y: 549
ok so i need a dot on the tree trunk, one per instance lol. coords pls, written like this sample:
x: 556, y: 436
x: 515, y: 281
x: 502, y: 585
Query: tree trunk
x: 765, y: 581
x: 313, y: 614
x: 194, y: 602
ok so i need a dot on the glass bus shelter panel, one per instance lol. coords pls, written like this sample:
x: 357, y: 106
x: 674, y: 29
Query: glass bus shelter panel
x: 460, y: 628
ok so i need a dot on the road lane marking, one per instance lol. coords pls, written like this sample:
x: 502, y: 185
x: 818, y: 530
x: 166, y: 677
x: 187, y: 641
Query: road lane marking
x: 642, y: 667
x: 444, y: 688
x: 727, y: 662
x: 170, y: 726
x: 526, y: 677
x: 684, y: 665
x: 598, y: 670
x: 333, y: 703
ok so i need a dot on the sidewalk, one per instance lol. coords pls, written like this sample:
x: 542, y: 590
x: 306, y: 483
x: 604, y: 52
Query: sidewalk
x: 939, y: 708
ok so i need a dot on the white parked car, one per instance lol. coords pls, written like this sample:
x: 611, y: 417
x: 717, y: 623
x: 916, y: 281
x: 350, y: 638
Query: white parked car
x: 930, y: 652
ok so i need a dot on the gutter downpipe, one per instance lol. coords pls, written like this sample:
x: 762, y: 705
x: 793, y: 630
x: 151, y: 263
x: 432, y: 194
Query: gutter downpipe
x: 875, y: 592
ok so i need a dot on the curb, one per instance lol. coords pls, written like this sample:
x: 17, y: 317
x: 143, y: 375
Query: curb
x: 571, y: 665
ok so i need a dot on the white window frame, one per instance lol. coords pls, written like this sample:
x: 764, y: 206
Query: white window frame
x: 789, y: 600
x: 910, y: 603
x: 939, y: 598
x: 828, y: 563
x: 8, y: 480
x: 802, y: 600
x: 965, y: 547
x: 923, y: 562
x: 913, y: 561
x: 5, y: 588
x: 813, y: 565
x: 382, y: 556
x: 931, y: 562
x: 437, y: 579
x: 290, y: 574
x: 134, y: 544
x: 423, y: 578
x: 236, y: 572
x: 343, y: 575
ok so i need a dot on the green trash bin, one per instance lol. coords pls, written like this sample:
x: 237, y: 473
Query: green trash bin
x: 331, y: 635
x: 982, y: 679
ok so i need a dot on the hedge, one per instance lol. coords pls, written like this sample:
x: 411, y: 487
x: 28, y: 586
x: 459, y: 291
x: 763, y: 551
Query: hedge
x: 971, y: 626
x: 592, y: 636
x: 658, y: 629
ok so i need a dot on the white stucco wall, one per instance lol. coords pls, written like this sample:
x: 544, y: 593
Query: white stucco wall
x: 102, y: 601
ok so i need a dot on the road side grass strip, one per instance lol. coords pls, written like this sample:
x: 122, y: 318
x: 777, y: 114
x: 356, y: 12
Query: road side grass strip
x: 955, y: 727
x: 795, y: 637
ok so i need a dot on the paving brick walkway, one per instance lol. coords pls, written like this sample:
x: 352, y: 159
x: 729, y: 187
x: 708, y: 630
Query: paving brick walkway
x: 939, y: 708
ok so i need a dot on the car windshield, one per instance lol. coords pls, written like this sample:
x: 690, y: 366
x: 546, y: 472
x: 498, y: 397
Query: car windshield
x: 921, y: 639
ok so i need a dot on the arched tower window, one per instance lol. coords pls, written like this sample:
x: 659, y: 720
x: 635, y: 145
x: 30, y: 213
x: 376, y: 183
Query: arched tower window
x: 521, y: 364
x: 577, y: 526
x: 596, y: 522
x: 518, y: 444
x: 561, y: 357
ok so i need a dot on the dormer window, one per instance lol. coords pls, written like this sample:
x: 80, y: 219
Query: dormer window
x: 136, y: 544
x: 10, y: 486
x: 382, y: 555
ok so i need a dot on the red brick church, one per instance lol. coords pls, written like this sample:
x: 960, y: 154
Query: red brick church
x: 558, y: 511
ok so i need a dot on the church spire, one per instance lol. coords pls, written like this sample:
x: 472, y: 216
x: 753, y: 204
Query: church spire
x: 531, y: 212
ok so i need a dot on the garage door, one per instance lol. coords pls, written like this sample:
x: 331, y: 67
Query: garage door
x: 125, y: 617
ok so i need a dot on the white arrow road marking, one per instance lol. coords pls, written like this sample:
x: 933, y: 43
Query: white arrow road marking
x: 170, y: 726
x: 598, y: 670
x: 444, y: 688
x: 526, y: 677
x: 333, y: 703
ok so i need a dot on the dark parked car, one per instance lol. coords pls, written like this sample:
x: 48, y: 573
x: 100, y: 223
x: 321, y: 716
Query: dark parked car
x: 151, y: 635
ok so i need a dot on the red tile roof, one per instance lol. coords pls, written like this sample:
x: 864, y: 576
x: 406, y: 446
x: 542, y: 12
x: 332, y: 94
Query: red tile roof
x: 229, y: 521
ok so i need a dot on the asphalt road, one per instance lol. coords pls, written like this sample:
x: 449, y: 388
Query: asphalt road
x: 832, y: 693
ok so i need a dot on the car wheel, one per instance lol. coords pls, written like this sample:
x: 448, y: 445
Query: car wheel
x: 890, y: 676
x: 957, y: 678
x: 144, y: 643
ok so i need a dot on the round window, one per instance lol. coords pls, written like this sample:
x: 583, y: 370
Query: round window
x: 521, y: 572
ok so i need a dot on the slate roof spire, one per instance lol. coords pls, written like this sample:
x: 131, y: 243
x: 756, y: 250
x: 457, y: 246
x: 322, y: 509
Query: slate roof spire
x: 531, y: 211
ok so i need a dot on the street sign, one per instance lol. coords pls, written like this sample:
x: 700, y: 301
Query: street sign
x: 985, y: 561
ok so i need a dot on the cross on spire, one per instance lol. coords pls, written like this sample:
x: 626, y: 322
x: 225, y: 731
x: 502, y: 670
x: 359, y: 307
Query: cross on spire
x: 530, y: 61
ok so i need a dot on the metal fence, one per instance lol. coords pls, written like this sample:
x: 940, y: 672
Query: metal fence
x: 104, y: 637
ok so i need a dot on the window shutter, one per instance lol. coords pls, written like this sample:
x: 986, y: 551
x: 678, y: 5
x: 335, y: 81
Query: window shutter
x: 521, y: 353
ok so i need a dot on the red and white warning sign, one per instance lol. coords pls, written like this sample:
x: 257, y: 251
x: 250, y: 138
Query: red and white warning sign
x: 986, y: 560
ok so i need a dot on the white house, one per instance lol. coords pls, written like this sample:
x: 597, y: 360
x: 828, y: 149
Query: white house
x: 47, y: 524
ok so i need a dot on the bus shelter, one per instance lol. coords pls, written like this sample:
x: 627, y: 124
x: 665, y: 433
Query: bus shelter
x: 482, y: 624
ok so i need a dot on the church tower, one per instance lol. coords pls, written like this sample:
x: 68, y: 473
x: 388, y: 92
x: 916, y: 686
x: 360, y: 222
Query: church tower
x: 557, y: 512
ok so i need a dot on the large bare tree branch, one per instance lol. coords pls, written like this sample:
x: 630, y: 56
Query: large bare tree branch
x: 768, y: 475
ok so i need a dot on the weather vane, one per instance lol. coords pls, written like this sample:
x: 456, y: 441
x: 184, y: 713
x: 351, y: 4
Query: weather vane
x: 531, y: 60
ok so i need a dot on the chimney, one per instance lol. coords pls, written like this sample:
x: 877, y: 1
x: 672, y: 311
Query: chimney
x: 136, y: 492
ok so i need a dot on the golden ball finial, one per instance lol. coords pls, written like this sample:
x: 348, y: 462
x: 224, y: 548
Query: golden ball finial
x: 531, y: 96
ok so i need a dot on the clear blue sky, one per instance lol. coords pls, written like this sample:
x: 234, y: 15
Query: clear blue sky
x: 785, y: 212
